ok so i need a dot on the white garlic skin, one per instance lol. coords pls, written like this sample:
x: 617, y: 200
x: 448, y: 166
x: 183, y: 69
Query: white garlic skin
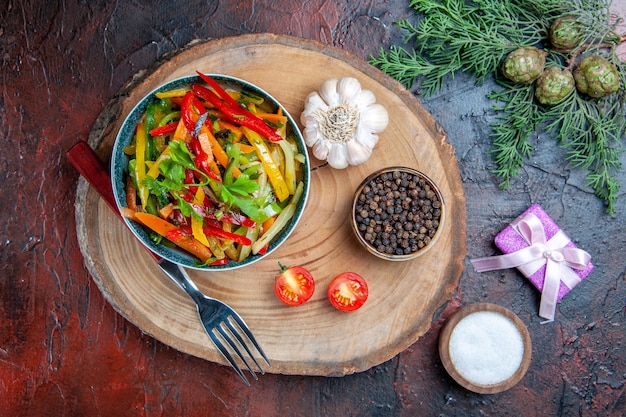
x: 375, y: 117
x: 346, y: 145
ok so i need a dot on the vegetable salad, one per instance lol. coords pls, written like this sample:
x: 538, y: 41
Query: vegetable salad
x: 215, y: 172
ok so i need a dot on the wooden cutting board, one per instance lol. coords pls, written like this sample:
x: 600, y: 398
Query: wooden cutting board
x: 312, y: 339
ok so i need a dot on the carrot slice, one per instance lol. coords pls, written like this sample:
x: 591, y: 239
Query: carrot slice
x: 131, y: 194
x: 218, y: 152
x: 166, y: 211
x: 182, y: 133
x: 246, y: 148
x: 163, y: 227
x: 232, y: 128
x: 273, y: 117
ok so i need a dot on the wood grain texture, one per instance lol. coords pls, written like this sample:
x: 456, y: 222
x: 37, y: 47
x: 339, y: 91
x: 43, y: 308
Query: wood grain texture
x: 64, y: 351
x: 313, y: 339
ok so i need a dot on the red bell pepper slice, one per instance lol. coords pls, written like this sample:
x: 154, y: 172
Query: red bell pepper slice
x: 202, y: 159
x: 177, y: 234
x: 239, y: 219
x: 191, y: 108
x: 165, y: 129
x: 237, y: 115
x: 233, y: 218
x: 202, y: 163
x: 223, y: 234
x: 190, y: 179
x: 221, y: 92
x: 264, y: 249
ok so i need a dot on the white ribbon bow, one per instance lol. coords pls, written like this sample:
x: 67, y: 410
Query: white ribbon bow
x: 558, y: 259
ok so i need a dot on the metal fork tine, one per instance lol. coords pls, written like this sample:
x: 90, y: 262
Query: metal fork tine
x: 235, y: 333
x: 226, y: 337
x: 218, y: 344
x: 242, y: 325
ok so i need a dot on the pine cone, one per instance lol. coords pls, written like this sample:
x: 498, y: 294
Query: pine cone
x: 596, y: 77
x: 553, y: 86
x: 565, y: 33
x: 524, y: 65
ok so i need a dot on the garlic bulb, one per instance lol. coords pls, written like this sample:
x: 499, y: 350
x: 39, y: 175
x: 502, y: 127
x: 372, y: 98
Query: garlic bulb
x: 342, y: 121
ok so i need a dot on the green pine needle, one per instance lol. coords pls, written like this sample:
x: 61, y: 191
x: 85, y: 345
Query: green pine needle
x: 476, y: 36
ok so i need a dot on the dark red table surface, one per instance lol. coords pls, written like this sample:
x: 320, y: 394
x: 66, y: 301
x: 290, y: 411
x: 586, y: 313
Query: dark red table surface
x: 64, y: 351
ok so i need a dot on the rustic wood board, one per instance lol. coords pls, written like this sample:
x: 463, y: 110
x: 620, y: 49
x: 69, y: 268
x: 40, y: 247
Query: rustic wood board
x: 312, y: 339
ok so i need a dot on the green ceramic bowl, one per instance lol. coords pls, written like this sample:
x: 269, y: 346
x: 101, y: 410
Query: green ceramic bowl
x: 119, y: 169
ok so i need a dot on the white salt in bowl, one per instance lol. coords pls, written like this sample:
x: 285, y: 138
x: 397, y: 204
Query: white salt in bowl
x: 485, y: 348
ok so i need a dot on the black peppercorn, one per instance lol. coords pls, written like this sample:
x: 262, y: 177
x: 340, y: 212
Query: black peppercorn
x: 397, y: 212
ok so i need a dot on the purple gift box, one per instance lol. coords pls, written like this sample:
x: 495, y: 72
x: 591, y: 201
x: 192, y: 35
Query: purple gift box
x: 535, y: 245
x: 509, y: 241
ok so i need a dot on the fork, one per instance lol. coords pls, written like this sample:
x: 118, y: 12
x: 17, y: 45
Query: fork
x: 221, y: 323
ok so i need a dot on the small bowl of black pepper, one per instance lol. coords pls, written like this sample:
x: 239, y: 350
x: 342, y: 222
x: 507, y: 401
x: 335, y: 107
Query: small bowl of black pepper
x: 397, y: 213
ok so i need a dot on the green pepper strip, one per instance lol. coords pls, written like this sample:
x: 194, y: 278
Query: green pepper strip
x: 151, y: 150
x: 233, y: 152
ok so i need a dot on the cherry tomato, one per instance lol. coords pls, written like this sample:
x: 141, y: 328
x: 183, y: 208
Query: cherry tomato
x: 294, y: 285
x: 347, y: 291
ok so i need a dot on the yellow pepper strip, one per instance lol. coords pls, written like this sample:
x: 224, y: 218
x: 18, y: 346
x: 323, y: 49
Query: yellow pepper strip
x: 290, y: 165
x: 237, y: 95
x: 196, y: 225
x: 272, y: 170
x: 182, y: 134
x: 130, y: 150
x: 172, y: 93
x: 154, y: 170
x: 140, y: 163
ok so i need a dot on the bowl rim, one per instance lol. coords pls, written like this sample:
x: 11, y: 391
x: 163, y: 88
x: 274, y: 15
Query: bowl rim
x: 419, y: 252
x: 119, y: 163
x: 444, y: 348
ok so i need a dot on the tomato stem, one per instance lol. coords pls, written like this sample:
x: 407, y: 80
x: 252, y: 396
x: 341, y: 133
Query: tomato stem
x: 283, y: 268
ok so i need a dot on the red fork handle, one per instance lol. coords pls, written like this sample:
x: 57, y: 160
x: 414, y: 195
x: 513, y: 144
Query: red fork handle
x: 89, y: 165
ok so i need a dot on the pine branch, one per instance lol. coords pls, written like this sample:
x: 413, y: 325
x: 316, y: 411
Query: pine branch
x: 476, y: 36
x: 518, y: 118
